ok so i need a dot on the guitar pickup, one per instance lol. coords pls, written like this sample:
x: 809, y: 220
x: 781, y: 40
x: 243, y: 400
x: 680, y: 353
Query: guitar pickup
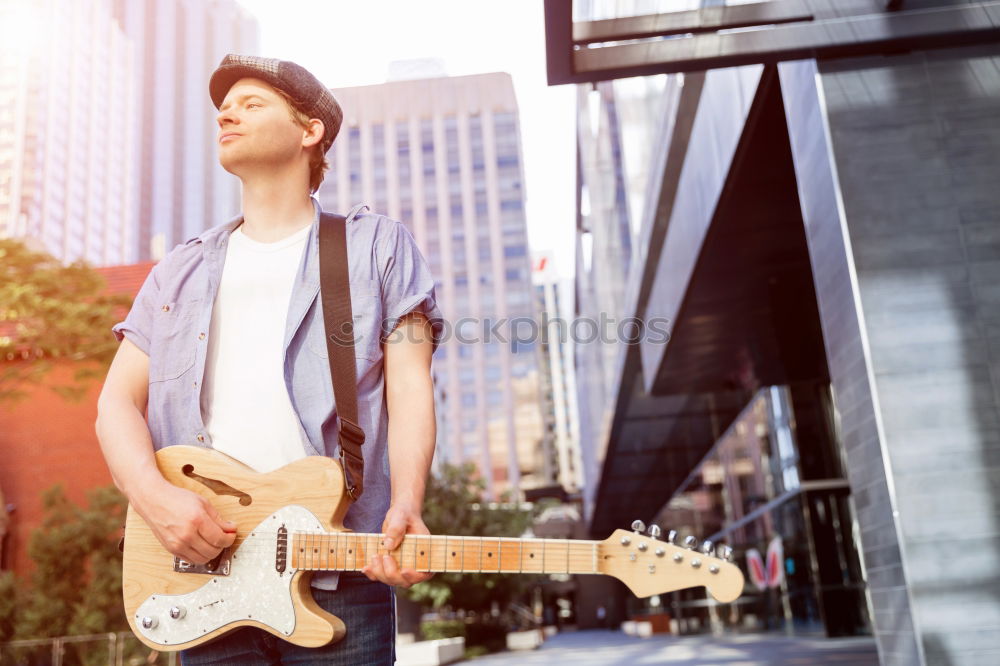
x: 219, y: 566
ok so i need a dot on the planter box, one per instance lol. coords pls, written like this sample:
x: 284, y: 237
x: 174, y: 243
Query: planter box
x: 430, y: 653
x: 525, y: 640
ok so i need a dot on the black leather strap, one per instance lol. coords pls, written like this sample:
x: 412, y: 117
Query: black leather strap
x: 335, y: 292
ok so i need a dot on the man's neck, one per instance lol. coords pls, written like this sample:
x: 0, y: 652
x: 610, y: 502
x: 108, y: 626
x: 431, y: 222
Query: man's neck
x: 271, y: 213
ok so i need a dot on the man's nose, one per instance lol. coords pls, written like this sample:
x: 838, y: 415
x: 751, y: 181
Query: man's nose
x: 226, y: 115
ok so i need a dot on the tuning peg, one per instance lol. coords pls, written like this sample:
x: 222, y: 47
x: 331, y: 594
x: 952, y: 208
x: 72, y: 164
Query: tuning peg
x: 671, y: 536
x: 654, y: 531
x: 638, y: 526
x: 726, y: 553
x: 707, y: 547
x: 690, y: 542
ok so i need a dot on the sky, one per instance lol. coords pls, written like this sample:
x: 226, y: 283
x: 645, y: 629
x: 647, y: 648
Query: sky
x: 352, y: 43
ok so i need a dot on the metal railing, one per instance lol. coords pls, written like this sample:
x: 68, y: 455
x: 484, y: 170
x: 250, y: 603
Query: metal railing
x: 118, y: 644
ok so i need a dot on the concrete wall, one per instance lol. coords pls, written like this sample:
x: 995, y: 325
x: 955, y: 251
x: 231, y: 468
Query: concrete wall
x: 898, y: 160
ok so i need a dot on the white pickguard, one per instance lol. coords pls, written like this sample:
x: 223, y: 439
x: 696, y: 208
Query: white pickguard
x: 253, y: 590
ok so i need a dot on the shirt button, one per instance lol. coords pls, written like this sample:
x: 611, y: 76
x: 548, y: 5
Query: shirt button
x: 201, y: 336
x: 166, y: 308
x: 201, y: 438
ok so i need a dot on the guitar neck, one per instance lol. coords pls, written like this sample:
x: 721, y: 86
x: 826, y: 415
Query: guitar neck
x: 348, y: 551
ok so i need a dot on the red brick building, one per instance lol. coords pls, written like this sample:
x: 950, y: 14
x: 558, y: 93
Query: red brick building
x: 45, y: 439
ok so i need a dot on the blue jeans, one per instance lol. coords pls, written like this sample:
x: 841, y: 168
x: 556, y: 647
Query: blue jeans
x: 367, y: 608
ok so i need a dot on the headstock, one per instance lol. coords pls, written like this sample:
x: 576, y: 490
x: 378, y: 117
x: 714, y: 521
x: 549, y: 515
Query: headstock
x: 650, y: 566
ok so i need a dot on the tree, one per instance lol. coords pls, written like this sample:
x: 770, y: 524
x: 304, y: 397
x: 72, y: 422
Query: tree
x: 50, y: 311
x: 453, y: 504
x: 76, y: 586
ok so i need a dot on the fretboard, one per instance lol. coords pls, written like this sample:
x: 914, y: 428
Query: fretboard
x: 348, y: 551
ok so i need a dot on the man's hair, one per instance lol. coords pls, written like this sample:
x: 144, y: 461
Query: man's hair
x: 317, y: 160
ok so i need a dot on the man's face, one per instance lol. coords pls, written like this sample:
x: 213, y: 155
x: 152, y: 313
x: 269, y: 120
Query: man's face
x: 256, y: 129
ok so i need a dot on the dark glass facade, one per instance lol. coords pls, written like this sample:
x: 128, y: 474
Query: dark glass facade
x: 773, y: 488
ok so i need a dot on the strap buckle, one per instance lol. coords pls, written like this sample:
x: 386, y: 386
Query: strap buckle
x: 351, y: 431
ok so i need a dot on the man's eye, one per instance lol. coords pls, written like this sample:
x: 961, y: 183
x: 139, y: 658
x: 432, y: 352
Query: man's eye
x: 252, y: 104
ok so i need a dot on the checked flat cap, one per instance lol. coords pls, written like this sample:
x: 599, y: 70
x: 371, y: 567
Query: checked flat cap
x: 308, y: 94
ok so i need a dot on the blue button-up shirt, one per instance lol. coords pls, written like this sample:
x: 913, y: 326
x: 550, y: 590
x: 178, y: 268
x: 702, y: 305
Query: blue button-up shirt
x: 170, y: 317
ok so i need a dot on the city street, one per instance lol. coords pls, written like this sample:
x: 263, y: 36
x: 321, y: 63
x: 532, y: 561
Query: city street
x: 605, y: 648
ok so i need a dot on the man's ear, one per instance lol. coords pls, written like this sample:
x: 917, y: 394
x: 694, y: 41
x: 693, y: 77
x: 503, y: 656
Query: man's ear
x: 313, y: 136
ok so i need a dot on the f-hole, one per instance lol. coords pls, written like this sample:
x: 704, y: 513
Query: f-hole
x: 216, y: 486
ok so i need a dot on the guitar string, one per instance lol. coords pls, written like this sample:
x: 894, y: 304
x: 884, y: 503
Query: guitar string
x: 573, y: 559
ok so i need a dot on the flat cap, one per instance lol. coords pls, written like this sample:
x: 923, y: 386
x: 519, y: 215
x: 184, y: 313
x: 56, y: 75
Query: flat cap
x: 307, y: 93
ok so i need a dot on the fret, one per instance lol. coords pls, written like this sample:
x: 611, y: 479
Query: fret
x: 594, y: 544
x: 455, y: 554
x: 444, y: 567
x: 567, y: 558
x: 509, y: 554
x: 553, y: 559
x: 421, y: 553
x: 359, y: 553
x: 531, y: 557
x: 491, y: 554
x: 471, y: 554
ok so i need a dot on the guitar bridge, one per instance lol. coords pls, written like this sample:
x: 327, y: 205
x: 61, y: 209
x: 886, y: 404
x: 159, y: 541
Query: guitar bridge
x: 219, y: 566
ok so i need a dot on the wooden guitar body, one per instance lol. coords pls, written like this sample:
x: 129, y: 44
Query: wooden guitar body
x: 315, y: 488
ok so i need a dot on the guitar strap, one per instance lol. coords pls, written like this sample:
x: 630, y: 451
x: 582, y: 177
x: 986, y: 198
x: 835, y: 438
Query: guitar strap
x: 338, y: 322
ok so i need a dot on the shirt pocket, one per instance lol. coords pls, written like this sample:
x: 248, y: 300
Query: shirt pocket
x: 174, y: 342
x: 366, y: 308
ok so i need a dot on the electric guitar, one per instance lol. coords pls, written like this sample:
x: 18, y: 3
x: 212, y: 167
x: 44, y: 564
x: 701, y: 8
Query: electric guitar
x: 290, y: 524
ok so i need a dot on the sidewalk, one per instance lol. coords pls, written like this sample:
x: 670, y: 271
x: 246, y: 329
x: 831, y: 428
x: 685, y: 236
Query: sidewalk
x: 606, y: 648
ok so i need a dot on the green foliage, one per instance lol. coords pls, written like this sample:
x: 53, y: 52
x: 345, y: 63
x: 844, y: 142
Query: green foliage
x: 480, y: 637
x: 76, y: 585
x: 453, y: 505
x: 51, y: 311
x: 436, y: 629
x: 8, y: 604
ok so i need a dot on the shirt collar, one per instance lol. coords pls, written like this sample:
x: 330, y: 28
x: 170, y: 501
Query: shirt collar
x: 217, y: 236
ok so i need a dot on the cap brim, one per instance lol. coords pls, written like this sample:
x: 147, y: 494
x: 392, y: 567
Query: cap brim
x: 224, y: 77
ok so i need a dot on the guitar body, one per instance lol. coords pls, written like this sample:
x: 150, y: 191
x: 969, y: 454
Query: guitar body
x: 290, y: 523
x: 307, y: 495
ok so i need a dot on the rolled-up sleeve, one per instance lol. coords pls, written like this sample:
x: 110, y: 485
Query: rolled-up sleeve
x: 407, y: 283
x: 138, y: 324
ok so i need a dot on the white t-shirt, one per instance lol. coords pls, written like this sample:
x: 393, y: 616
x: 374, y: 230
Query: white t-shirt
x: 244, y: 400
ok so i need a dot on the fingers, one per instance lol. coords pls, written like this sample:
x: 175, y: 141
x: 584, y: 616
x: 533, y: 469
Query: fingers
x: 224, y: 525
x: 394, y: 529
x: 383, y: 568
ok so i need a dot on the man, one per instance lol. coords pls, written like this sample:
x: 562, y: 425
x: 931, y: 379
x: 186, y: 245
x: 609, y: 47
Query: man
x: 225, y: 347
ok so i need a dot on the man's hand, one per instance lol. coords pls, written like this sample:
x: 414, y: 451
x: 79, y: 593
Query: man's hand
x: 384, y: 568
x: 185, y: 523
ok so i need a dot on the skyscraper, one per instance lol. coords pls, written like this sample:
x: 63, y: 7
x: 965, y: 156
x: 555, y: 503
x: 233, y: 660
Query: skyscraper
x: 443, y: 156
x: 107, y: 148
x: 67, y: 130
x: 561, y: 437
x: 181, y: 189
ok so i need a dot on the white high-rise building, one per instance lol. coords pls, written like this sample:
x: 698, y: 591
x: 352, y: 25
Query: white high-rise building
x: 181, y: 189
x: 68, y: 96
x: 107, y: 132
